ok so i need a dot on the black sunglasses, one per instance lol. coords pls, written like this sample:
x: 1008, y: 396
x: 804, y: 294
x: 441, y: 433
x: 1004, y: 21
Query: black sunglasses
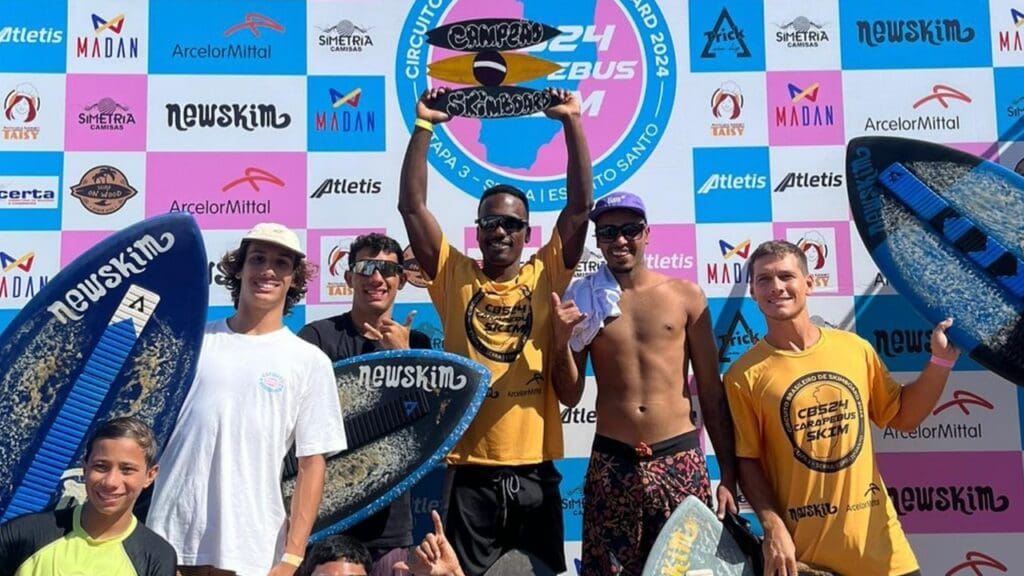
x: 386, y: 268
x: 509, y: 223
x: 610, y: 232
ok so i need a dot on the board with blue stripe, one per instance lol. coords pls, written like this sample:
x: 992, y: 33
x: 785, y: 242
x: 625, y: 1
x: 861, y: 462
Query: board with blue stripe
x: 116, y: 333
x: 946, y: 228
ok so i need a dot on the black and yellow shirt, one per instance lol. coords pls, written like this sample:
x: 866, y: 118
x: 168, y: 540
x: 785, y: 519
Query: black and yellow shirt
x: 54, y: 544
x: 506, y: 326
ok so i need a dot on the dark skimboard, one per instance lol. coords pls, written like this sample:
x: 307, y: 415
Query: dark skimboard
x: 945, y: 228
x: 404, y: 411
x: 519, y: 563
x: 487, y: 34
x: 116, y: 333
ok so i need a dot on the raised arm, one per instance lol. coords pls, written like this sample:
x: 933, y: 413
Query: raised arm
x: 918, y: 398
x: 568, y: 369
x: 579, y: 178
x: 700, y: 340
x: 420, y: 225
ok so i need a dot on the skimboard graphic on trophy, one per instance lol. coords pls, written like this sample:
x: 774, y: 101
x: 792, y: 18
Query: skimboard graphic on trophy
x: 492, y: 69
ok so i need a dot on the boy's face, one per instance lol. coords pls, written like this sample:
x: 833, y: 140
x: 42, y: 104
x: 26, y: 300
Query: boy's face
x: 115, y: 475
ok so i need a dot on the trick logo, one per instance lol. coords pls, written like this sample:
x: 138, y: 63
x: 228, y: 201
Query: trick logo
x: 625, y: 63
x: 725, y: 37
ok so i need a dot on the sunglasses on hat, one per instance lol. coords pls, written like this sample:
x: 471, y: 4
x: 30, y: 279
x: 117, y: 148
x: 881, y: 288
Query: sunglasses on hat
x: 386, y: 268
x: 610, y: 232
x: 509, y: 223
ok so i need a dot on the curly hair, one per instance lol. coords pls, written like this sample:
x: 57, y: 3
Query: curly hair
x: 231, y: 264
x: 335, y: 548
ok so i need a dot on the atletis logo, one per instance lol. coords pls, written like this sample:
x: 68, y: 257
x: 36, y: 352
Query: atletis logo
x: 618, y: 58
x: 106, y: 42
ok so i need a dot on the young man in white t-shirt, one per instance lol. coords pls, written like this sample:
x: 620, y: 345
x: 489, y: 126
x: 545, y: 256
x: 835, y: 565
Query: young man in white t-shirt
x: 258, y: 389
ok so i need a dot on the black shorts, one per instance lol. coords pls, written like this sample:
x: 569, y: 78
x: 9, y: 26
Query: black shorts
x: 495, y: 509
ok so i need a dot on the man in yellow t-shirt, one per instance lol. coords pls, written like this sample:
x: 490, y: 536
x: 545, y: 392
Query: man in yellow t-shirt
x: 801, y: 400
x: 503, y: 491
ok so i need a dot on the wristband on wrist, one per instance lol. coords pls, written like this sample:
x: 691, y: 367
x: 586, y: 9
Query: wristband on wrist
x: 291, y: 559
x: 425, y: 124
x: 942, y: 362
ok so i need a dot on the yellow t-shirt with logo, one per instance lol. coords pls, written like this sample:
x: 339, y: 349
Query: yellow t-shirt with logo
x: 804, y: 416
x: 506, y: 327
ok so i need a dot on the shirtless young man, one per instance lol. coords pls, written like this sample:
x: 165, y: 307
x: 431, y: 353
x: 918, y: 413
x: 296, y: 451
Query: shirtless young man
x: 646, y: 456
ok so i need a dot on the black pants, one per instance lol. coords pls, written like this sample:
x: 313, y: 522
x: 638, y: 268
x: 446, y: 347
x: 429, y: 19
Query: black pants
x: 495, y: 509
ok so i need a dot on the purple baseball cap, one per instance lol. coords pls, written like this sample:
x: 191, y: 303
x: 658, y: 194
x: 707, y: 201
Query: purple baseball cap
x: 618, y: 201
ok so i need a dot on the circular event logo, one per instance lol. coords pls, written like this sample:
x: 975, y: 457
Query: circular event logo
x: 823, y: 416
x: 617, y: 56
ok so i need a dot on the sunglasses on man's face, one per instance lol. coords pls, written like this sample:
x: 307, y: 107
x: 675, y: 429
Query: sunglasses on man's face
x: 611, y: 232
x: 508, y: 223
x: 386, y: 268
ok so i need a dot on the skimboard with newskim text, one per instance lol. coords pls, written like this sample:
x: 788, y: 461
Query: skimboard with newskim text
x: 694, y: 542
x: 115, y: 333
x: 404, y: 411
x: 492, y: 68
x: 945, y: 228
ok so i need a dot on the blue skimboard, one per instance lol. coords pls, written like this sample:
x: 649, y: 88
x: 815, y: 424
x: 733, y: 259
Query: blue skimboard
x: 694, y: 543
x: 945, y: 228
x: 115, y: 333
x: 404, y: 411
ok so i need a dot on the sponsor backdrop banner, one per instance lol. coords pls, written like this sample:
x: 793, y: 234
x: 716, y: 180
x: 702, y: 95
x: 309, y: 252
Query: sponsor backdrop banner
x: 728, y: 117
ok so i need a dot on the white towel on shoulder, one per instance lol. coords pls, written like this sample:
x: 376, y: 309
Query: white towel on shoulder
x: 597, y: 296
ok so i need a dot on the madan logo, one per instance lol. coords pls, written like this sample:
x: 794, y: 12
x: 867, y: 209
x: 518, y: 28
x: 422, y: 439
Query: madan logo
x: 623, y: 70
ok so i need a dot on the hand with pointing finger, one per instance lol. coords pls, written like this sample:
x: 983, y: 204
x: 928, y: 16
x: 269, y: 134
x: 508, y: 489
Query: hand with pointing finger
x: 391, y: 334
x: 565, y: 317
x: 434, y: 556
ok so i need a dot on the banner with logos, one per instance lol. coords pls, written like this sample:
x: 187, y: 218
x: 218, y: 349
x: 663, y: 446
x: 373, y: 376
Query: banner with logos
x: 729, y: 117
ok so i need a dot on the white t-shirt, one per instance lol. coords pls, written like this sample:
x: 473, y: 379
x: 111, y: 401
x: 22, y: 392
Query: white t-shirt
x: 218, y: 496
